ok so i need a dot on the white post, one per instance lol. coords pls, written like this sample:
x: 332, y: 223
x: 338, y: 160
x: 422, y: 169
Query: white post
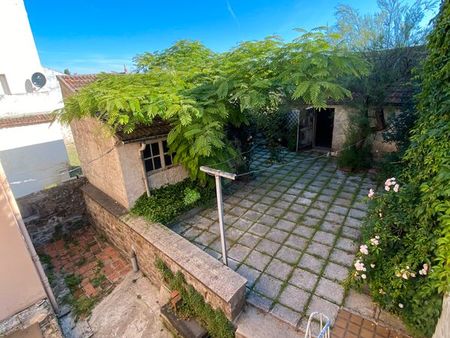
x: 221, y: 225
x: 218, y: 174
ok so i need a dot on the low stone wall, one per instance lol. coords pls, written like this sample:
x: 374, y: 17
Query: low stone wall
x: 53, y: 212
x: 220, y: 286
x: 40, y: 313
x: 443, y: 325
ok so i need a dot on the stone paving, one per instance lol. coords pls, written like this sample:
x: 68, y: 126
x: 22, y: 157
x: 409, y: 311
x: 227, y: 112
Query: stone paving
x: 292, y: 231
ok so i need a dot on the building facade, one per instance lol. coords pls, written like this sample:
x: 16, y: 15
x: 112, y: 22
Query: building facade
x: 29, y: 93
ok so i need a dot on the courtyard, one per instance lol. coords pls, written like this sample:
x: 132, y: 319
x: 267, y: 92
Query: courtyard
x: 292, y: 231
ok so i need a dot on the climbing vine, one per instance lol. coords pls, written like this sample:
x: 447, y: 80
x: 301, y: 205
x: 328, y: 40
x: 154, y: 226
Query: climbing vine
x: 200, y: 92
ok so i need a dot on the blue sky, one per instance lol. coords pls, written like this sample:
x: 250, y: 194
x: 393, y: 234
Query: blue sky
x: 89, y: 36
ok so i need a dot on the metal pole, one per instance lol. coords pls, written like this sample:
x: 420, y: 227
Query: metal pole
x: 221, y: 225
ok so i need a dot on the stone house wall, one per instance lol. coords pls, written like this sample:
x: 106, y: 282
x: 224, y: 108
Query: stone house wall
x: 53, y: 212
x: 342, y: 117
x: 100, y: 158
x: 220, y: 286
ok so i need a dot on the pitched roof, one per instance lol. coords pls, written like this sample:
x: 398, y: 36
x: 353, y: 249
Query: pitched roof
x: 158, y: 128
x: 75, y: 82
x: 20, y: 121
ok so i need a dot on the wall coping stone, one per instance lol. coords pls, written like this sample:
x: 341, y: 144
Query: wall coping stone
x: 191, y: 260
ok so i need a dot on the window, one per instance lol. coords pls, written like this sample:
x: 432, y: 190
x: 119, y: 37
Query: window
x: 4, y: 87
x: 156, y: 156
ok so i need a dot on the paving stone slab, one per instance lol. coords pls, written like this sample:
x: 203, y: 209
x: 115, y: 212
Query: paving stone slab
x: 335, y: 218
x: 353, y: 222
x: 291, y: 216
x: 285, y: 225
x: 268, y: 220
x: 321, y: 305
x: 304, y: 279
x: 259, y: 301
x: 336, y: 272
x: 249, y: 273
x: 268, y: 286
x: 259, y: 229
x: 294, y: 298
x: 249, y: 240
x: 319, y: 250
x: 342, y: 257
x: 296, y: 242
x: 330, y: 227
x: 274, y: 211
x: 238, y: 252
x: 243, y: 224
x: 311, y: 221
x: 298, y: 208
x: 277, y: 235
x: 279, y: 269
x: 232, y: 234
x: 238, y: 211
x: 285, y: 314
x: 324, y: 238
x: 315, y: 213
x: 311, y: 263
x: 257, y: 260
x: 347, y: 244
x: 356, y: 213
x: 268, y: 247
x: 288, y: 255
x: 252, y: 215
x: 330, y: 290
x: 304, y: 231
x: 351, y: 232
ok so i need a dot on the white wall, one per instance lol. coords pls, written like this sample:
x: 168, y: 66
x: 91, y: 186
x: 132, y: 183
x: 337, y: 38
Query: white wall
x: 33, y: 157
x: 19, y: 59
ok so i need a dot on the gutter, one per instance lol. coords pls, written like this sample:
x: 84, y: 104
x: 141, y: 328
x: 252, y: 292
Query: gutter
x: 29, y: 244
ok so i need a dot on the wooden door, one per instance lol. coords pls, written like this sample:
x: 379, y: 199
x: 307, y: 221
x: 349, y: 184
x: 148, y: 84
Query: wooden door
x: 305, y: 125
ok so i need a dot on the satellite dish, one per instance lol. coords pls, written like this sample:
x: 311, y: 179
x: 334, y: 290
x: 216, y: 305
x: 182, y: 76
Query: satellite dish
x: 38, y: 79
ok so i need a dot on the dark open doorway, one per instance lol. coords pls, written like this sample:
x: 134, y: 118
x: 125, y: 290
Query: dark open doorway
x: 324, y: 128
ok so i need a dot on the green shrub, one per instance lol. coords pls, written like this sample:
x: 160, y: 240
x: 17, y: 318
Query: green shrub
x: 191, y: 196
x: 168, y: 202
x: 193, y: 304
x: 396, y: 246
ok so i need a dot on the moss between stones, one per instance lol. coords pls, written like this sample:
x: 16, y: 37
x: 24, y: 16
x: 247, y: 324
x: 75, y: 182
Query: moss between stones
x: 194, y: 306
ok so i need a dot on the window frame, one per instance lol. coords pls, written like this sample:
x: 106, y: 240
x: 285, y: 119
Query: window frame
x: 161, y: 155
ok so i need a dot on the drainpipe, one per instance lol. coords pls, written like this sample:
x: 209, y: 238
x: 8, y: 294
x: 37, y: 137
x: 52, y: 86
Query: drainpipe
x: 144, y: 174
x: 35, y: 258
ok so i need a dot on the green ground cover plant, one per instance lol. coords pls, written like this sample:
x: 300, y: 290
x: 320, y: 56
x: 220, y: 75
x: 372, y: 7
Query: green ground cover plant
x: 405, y: 255
x: 194, y: 306
x: 170, y: 201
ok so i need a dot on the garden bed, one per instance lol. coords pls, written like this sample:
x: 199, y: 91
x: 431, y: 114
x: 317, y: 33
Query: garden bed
x: 166, y: 203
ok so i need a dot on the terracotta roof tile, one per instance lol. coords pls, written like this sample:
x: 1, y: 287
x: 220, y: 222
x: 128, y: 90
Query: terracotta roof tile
x: 20, y: 121
x: 75, y: 82
x: 158, y: 128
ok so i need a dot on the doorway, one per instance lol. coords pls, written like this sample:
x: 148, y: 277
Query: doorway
x: 323, y: 127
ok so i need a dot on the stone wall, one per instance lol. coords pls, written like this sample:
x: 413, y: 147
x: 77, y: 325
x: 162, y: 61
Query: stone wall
x: 169, y: 176
x: 220, y: 286
x: 100, y: 158
x: 53, y: 212
x: 40, y: 313
x: 443, y: 325
x: 342, y: 119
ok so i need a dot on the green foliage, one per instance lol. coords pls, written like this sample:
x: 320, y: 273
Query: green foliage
x: 73, y: 282
x: 200, y: 93
x: 82, y: 306
x: 411, y: 270
x: 166, y: 203
x: 193, y: 304
x: 191, y: 196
